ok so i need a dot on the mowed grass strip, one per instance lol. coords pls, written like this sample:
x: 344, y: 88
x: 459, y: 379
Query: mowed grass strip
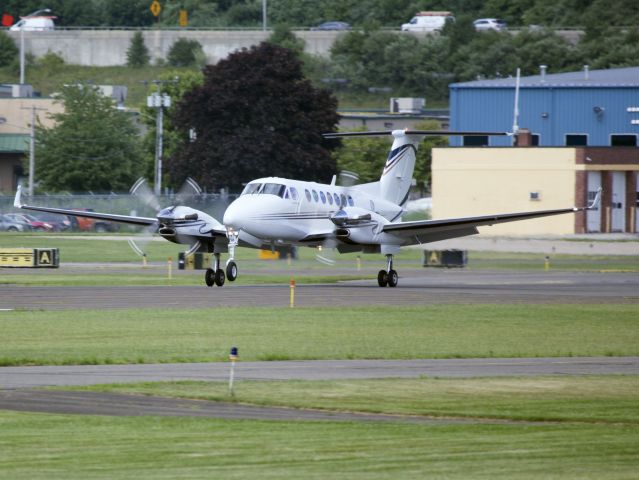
x: 611, y: 399
x: 39, y: 446
x: 399, y: 332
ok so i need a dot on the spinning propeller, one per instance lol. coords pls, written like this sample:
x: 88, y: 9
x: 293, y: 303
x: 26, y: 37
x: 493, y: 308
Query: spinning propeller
x: 165, y: 217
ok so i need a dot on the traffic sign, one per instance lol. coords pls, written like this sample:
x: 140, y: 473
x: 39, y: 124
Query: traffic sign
x: 156, y: 8
x: 184, y: 18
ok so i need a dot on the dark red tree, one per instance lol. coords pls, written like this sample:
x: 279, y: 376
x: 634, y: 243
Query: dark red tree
x: 254, y: 116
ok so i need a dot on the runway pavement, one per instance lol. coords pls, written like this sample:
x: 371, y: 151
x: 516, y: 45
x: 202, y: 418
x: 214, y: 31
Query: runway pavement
x: 417, y: 287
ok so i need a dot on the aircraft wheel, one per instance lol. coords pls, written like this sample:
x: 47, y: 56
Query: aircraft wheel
x: 219, y: 277
x: 231, y: 271
x: 209, y: 277
x: 392, y: 278
x: 382, y: 278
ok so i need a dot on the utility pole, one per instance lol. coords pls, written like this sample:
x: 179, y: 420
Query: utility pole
x: 264, y: 15
x: 33, y: 109
x: 159, y: 102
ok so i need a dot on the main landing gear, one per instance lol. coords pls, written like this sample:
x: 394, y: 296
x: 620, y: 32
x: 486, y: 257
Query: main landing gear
x: 215, y: 275
x: 389, y: 276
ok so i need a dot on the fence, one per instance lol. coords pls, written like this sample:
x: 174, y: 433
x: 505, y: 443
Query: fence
x: 212, y: 203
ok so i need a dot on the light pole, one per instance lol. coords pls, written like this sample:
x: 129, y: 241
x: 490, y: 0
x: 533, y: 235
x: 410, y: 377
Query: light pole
x: 33, y: 14
x: 159, y: 102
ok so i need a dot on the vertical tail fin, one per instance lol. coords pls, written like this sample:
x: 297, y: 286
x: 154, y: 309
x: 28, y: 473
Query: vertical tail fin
x: 397, y: 176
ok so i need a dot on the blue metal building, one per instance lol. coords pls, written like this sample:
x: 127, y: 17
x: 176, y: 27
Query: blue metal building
x: 585, y: 108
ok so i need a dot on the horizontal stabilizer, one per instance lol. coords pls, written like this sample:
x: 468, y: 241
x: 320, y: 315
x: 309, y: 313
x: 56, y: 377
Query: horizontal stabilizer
x: 435, y: 133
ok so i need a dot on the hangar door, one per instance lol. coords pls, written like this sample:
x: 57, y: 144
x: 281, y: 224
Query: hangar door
x: 593, y: 217
x: 618, y: 214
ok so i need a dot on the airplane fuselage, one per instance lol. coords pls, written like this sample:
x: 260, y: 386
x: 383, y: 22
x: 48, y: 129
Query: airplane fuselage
x: 289, y: 211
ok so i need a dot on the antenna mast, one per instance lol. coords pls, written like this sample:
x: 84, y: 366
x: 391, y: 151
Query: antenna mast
x: 516, y: 112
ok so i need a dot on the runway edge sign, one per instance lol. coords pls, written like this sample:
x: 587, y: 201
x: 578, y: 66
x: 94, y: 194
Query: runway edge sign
x: 29, y: 257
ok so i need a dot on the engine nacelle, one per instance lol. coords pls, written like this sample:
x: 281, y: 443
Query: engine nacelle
x: 350, y: 216
x: 360, y: 227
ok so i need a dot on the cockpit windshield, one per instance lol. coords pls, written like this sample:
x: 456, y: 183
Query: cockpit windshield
x: 251, y: 188
x: 265, y: 188
x: 274, y: 189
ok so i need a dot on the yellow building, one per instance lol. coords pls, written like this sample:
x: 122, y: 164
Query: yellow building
x: 478, y: 181
x: 15, y: 129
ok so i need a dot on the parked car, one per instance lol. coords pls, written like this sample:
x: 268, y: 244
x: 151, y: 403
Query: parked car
x: 7, y: 224
x: 483, y: 24
x: 333, y: 26
x: 35, y: 224
x: 86, y: 224
x: 60, y: 223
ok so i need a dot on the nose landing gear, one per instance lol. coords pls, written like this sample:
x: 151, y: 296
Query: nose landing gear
x: 389, y: 276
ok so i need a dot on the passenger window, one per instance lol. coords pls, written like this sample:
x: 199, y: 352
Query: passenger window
x: 343, y: 199
x: 336, y: 197
x: 323, y: 197
x: 294, y: 193
x: 330, y: 198
x: 350, y: 201
x: 308, y: 195
x: 315, y: 197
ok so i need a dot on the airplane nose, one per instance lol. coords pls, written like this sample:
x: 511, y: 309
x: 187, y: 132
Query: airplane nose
x: 231, y: 217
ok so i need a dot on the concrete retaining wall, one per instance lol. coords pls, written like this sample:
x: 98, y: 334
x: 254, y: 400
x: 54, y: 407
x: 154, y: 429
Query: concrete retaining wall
x: 109, y: 47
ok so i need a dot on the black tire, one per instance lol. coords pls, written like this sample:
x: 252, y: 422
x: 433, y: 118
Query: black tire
x: 209, y: 277
x: 219, y: 277
x: 12, y: 229
x: 382, y: 278
x: 231, y: 271
x: 392, y: 278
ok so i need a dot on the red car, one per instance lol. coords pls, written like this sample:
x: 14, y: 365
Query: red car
x: 35, y: 224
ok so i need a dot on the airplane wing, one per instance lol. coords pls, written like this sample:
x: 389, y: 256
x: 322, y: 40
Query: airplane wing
x: 132, y: 220
x: 425, y: 231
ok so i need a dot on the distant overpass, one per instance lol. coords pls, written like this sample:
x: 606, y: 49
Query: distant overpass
x: 97, y: 47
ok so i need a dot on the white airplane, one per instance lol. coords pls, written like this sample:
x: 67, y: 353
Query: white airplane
x: 276, y: 211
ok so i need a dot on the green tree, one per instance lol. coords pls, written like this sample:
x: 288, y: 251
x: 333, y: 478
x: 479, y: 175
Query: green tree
x: 8, y: 50
x: 284, y: 37
x: 364, y: 156
x: 186, y: 53
x: 137, y: 55
x: 255, y: 115
x: 92, y: 147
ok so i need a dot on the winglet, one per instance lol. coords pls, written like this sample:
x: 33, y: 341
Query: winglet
x: 595, y: 203
x: 17, y: 203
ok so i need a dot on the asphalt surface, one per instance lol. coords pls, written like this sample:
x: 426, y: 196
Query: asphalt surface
x: 416, y: 287
x: 79, y: 375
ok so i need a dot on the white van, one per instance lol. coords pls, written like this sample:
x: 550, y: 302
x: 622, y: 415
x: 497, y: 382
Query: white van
x: 32, y: 24
x: 428, y: 22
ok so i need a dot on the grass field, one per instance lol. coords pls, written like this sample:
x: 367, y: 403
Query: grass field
x: 437, y: 331
x: 78, y: 447
x: 590, y: 399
